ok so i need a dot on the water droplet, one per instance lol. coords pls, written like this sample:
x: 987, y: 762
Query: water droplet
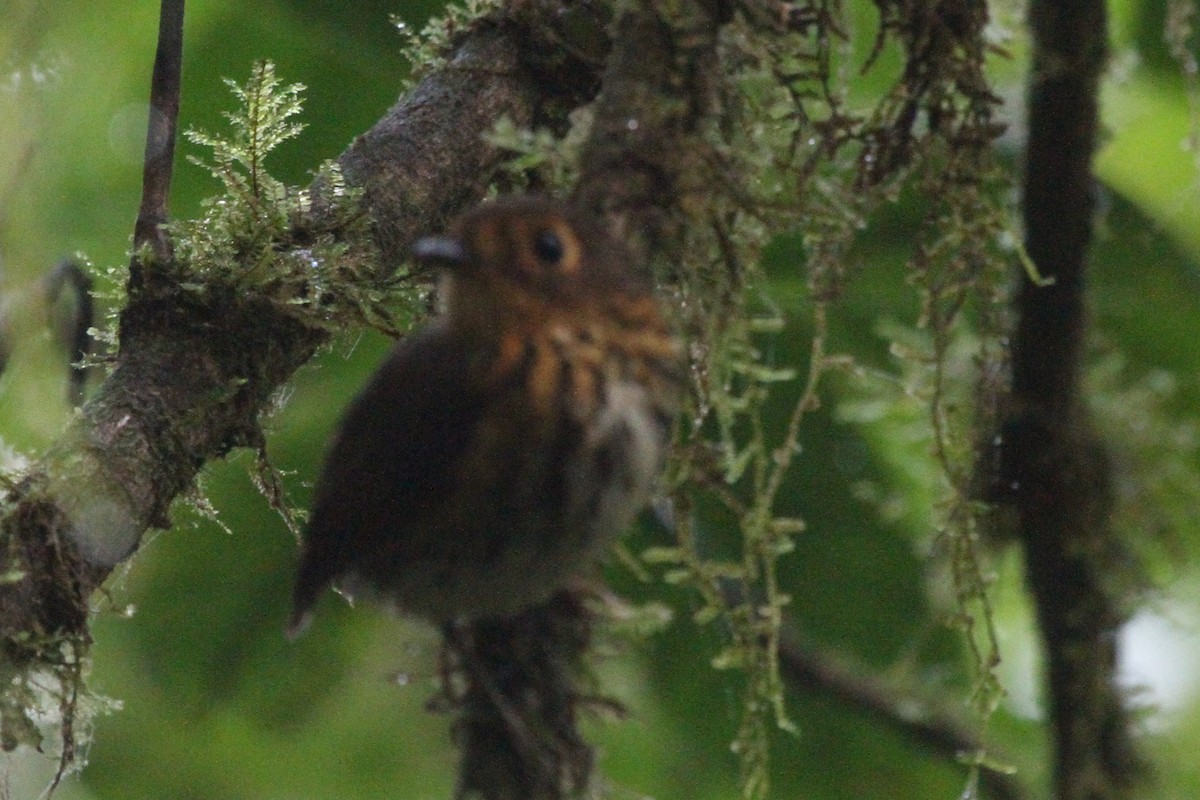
x: 306, y: 255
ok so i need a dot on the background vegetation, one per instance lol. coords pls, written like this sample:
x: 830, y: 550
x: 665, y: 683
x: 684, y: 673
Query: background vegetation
x: 214, y: 703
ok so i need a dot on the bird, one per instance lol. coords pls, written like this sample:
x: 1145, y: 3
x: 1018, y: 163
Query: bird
x: 501, y: 447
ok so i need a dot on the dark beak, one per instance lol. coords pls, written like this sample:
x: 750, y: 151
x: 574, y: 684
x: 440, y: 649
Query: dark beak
x: 439, y: 251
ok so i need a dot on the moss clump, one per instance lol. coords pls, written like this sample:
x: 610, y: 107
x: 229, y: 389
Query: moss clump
x: 307, y: 251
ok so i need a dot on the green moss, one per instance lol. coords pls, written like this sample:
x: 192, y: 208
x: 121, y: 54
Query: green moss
x: 796, y: 150
x: 428, y: 49
x: 307, y: 251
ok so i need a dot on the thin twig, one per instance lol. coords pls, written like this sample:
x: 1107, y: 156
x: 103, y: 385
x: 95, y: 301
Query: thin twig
x: 160, y: 135
x: 810, y: 669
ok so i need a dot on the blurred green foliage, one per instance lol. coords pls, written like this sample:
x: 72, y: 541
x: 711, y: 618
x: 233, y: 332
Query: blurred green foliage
x: 216, y: 705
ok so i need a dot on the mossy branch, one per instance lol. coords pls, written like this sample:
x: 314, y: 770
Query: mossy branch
x: 668, y: 160
x: 195, y: 370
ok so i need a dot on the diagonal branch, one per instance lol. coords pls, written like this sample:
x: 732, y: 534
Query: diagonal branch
x: 192, y: 377
x: 811, y: 669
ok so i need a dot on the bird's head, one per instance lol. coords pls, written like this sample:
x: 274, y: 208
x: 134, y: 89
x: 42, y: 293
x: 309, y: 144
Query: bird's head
x: 526, y: 259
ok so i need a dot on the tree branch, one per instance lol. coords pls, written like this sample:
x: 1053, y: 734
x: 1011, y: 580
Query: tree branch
x: 192, y: 375
x: 1053, y: 466
x: 810, y: 669
x: 194, y: 372
x: 517, y: 729
x: 160, y: 137
x: 641, y: 160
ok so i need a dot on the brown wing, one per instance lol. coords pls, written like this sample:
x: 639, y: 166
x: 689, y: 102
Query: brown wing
x: 392, y: 463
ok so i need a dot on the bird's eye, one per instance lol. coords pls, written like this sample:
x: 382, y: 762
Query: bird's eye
x: 548, y: 247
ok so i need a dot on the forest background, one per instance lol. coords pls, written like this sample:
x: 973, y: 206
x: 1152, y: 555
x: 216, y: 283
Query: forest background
x: 207, y: 700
